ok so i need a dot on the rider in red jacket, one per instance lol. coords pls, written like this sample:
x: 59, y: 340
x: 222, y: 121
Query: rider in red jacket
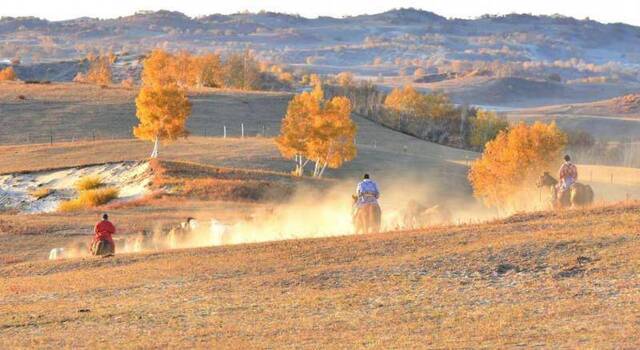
x: 103, y: 231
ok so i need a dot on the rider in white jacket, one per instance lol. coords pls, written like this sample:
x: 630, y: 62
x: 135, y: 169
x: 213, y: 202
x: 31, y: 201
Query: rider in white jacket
x: 367, y: 191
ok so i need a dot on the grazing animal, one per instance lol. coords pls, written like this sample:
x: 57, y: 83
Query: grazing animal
x: 577, y: 195
x: 418, y: 215
x: 366, y: 217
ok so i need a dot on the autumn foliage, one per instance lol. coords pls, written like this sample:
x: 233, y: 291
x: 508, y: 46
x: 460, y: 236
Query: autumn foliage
x: 238, y: 71
x: 7, y: 74
x: 317, y: 130
x: 513, y: 160
x: 99, y: 71
x: 162, y: 111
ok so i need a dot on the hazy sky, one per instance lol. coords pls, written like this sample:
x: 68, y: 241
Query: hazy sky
x: 627, y: 11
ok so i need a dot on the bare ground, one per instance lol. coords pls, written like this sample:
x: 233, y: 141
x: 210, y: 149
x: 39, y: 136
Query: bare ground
x: 567, y: 279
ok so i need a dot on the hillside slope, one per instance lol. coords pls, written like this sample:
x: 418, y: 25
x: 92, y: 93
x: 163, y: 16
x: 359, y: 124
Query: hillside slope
x: 565, y: 279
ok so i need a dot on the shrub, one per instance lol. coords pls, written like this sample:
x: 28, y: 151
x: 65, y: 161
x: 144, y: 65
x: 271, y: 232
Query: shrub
x: 40, y: 192
x: 86, y: 183
x: 89, y: 199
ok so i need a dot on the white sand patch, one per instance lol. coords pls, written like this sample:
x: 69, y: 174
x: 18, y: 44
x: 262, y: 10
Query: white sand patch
x: 132, y: 179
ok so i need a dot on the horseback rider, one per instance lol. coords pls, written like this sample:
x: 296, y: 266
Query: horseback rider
x: 366, y: 212
x: 367, y: 191
x: 102, y: 244
x: 568, y: 174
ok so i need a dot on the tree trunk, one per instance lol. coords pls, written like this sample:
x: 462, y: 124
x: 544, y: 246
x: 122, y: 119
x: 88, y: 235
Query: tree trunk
x: 156, y: 145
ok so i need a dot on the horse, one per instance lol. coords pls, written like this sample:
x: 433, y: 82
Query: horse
x: 417, y: 215
x: 576, y: 196
x: 367, y: 217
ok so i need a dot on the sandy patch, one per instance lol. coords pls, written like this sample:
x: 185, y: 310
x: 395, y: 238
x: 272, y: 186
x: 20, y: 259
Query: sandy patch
x: 131, y: 178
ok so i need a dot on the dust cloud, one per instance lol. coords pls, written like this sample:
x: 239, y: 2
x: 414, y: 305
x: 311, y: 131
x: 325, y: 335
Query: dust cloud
x: 407, y: 203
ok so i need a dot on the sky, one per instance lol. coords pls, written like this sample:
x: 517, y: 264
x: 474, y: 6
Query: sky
x: 609, y: 11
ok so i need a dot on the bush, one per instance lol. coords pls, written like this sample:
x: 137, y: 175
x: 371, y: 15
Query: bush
x: 86, y: 183
x: 89, y: 199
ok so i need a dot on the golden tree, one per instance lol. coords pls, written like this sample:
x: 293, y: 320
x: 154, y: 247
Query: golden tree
x: 184, y: 69
x: 295, y: 131
x: 317, y: 130
x: 406, y: 100
x: 208, y: 70
x: 513, y: 160
x: 158, y: 68
x: 99, y: 69
x: 162, y: 111
x: 333, y: 136
x: 7, y: 74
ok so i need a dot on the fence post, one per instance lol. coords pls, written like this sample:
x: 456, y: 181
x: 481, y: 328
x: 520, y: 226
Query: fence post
x: 224, y: 131
x: 241, y: 130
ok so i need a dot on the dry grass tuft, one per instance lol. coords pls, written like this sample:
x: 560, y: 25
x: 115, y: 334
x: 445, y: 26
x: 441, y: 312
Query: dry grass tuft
x: 41, y: 192
x: 90, y: 199
x: 87, y: 183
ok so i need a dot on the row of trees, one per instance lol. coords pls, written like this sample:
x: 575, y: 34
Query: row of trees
x: 317, y: 130
x: 431, y: 117
x: 99, y: 71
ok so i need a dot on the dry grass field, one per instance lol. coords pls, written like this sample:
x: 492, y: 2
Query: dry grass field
x: 552, y: 280
x: 70, y: 111
x: 549, y: 279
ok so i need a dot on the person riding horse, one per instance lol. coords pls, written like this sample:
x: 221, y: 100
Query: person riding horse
x: 366, y: 202
x: 568, y: 175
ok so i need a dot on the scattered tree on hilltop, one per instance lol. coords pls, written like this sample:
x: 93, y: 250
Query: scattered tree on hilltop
x: 513, y: 160
x: 162, y: 111
x: 8, y: 74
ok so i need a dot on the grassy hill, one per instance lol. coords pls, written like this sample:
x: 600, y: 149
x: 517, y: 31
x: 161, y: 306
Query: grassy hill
x: 563, y: 279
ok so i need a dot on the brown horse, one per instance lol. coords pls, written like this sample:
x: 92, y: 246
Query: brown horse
x: 367, y: 217
x: 417, y: 215
x: 577, y: 195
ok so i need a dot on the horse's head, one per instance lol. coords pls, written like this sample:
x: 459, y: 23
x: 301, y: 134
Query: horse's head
x: 546, y: 180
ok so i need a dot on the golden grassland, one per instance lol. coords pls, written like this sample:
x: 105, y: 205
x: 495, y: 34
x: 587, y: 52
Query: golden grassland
x: 549, y: 279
